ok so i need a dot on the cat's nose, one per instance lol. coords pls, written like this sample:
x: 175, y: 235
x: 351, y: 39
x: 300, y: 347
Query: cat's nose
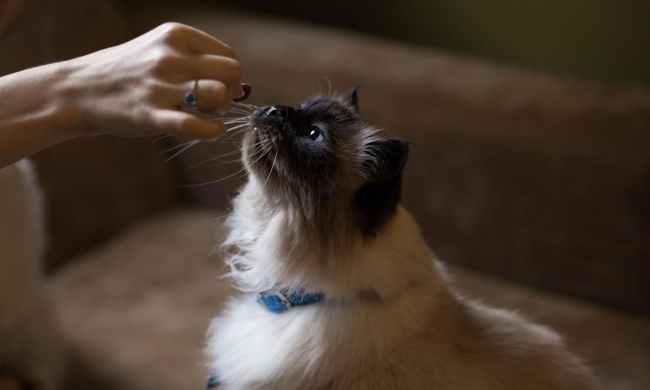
x: 277, y: 112
x: 272, y: 112
x: 277, y: 116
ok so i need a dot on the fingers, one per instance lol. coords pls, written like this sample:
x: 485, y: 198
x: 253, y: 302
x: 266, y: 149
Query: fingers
x: 211, y: 95
x: 182, y: 55
x: 224, y: 69
x: 196, y: 55
x: 178, y: 69
x: 187, y: 125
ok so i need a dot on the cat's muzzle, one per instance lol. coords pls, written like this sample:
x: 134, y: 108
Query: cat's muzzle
x: 273, y: 118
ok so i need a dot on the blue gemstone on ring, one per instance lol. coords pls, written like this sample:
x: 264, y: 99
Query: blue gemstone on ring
x: 213, y: 382
x: 190, y: 99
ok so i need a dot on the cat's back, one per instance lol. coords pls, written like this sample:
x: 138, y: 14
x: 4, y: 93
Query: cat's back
x: 493, y: 348
x: 470, y: 346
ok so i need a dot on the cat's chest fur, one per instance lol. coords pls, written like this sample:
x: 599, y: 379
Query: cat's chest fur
x: 377, y: 305
x: 325, y: 345
x: 415, y: 334
x: 251, y: 346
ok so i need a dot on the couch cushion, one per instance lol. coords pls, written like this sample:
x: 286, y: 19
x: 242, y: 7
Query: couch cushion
x: 137, y: 309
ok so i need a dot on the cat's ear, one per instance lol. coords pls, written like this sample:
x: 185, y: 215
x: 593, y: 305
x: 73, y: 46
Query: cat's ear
x: 385, y: 159
x: 352, y: 99
x: 378, y: 197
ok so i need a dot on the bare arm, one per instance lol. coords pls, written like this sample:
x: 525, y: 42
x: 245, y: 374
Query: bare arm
x: 133, y: 89
x: 31, y: 117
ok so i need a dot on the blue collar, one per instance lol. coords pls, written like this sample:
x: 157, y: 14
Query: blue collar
x: 280, y: 300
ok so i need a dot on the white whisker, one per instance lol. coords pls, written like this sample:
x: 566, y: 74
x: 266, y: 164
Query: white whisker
x: 234, y: 124
x: 185, y: 147
x: 256, y: 146
x: 176, y: 147
x: 231, y: 121
x: 244, y: 106
x: 253, y: 156
x: 228, y: 176
x: 271, y: 170
x: 234, y: 128
x: 239, y: 111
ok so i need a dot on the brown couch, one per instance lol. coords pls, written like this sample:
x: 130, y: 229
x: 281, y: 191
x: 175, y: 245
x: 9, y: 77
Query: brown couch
x: 537, y: 189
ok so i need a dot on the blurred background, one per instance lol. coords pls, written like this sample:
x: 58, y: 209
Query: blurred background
x: 596, y: 39
x: 529, y: 169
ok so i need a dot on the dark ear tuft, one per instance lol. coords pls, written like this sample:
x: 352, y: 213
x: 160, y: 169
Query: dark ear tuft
x: 352, y: 98
x: 387, y: 158
x: 378, y: 197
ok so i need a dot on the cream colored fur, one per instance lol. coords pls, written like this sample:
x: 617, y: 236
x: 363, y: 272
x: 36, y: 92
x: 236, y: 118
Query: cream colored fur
x: 391, y: 320
x: 30, y: 344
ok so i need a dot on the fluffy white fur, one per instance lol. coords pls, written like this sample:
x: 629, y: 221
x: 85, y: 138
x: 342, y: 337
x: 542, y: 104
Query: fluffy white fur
x: 390, y: 319
x: 30, y: 344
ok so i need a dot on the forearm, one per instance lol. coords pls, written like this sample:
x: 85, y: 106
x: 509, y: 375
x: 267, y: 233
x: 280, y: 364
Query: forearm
x: 33, y: 112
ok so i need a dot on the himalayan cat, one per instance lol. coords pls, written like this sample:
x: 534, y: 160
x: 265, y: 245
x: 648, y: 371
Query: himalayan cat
x: 31, y: 350
x: 339, y: 290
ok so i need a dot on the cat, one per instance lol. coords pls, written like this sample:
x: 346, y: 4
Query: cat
x: 338, y: 289
x: 31, y: 346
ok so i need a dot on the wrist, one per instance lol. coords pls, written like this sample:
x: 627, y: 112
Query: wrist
x: 64, y: 112
x: 35, y: 112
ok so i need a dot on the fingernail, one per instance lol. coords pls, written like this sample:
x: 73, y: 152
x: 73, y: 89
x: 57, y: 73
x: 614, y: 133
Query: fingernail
x: 246, y: 92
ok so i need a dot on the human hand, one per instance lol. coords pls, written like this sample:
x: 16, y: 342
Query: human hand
x: 136, y: 88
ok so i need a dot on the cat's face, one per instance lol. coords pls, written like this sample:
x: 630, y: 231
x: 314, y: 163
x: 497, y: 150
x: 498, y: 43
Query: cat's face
x: 321, y: 159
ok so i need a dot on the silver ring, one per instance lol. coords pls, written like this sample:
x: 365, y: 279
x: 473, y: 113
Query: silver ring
x: 190, y: 99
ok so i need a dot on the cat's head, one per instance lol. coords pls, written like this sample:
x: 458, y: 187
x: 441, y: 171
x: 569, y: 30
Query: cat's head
x: 322, y: 161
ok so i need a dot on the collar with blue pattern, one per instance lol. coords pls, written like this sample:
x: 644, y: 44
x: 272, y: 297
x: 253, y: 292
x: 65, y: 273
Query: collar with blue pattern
x: 281, y: 300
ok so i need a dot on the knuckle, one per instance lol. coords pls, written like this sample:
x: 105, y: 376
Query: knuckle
x: 220, y: 94
x: 164, y: 62
x: 219, y: 91
x: 172, y: 27
x: 172, y: 32
x: 213, y: 95
x: 142, y: 118
x: 154, y: 90
x: 166, y: 26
